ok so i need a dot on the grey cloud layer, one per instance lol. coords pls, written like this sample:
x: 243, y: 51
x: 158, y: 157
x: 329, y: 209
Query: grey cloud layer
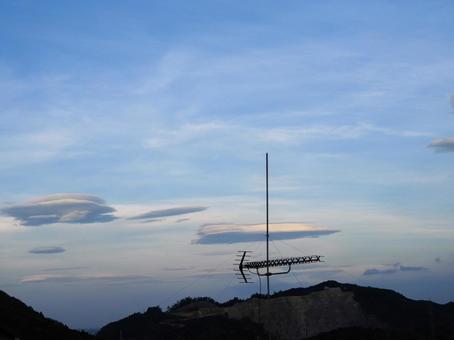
x: 47, y: 250
x: 168, y: 212
x: 61, y: 208
x: 443, y: 144
x: 392, y: 269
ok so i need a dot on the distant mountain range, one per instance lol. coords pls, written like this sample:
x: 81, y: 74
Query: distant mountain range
x: 329, y: 310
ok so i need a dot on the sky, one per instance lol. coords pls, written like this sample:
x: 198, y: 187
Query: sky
x: 133, y: 139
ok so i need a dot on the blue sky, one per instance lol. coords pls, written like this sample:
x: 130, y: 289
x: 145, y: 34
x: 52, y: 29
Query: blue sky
x: 133, y: 134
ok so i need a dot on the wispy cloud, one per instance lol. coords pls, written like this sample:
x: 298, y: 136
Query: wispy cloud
x: 285, y: 134
x: 392, y: 269
x: 232, y: 233
x: 153, y: 220
x: 183, y: 134
x: 65, y: 269
x: 181, y: 268
x: 34, y: 147
x: 61, y: 208
x: 443, y: 144
x: 47, y: 250
x: 111, y: 278
x: 168, y: 212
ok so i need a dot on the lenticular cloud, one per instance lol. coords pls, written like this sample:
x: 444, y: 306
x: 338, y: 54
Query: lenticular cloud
x: 233, y: 233
x: 61, y: 208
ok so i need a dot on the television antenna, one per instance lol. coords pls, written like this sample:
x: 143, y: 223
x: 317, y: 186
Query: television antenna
x: 246, y: 267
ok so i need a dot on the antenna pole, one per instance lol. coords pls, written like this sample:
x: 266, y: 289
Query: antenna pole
x: 267, y: 236
x: 245, y: 266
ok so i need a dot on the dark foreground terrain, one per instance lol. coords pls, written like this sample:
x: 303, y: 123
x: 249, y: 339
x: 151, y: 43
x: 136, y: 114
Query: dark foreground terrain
x: 329, y: 310
x: 17, y: 320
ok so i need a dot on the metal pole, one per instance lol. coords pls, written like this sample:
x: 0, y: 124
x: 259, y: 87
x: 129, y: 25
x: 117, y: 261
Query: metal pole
x: 267, y: 235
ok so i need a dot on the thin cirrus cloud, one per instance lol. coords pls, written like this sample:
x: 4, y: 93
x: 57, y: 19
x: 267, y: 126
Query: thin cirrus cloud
x: 47, y: 250
x: 392, y: 269
x: 443, y: 144
x: 233, y: 233
x: 111, y: 278
x: 61, y: 208
x: 154, y: 214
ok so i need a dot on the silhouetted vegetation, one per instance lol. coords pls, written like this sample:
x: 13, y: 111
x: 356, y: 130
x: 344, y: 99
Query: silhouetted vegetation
x: 190, y: 300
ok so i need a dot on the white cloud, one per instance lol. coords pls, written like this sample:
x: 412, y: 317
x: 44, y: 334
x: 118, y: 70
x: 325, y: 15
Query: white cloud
x: 34, y: 147
x: 183, y: 134
x: 112, y: 278
x: 226, y: 133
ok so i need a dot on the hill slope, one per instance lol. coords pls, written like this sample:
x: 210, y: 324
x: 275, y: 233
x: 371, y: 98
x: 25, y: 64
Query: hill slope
x: 329, y: 310
x: 20, y: 321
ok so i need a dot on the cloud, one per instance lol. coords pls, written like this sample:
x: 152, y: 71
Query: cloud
x: 110, y: 278
x: 152, y: 220
x: 182, y: 220
x: 443, y: 144
x: 438, y: 260
x: 411, y: 269
x: 392, y: 269
x: 61, y: 208
x: 232, y: 233
x: 183, y: 134
x: 47, y: 250
x: 168, y: 212
x: 283, y: 134
x: 35, y: 147
x: 181, y: 268
x: 65, y: 269
x: 451, y: 100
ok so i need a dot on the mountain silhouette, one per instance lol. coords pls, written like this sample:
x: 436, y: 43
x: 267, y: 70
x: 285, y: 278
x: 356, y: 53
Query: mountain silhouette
x: 329, y: 310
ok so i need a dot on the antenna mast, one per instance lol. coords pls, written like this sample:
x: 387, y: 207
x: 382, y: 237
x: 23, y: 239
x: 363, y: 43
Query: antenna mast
x: 246, y: 266
x: 267, y: 236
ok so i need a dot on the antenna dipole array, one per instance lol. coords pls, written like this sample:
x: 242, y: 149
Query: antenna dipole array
x: 286, y: 261
x: 247, y: 267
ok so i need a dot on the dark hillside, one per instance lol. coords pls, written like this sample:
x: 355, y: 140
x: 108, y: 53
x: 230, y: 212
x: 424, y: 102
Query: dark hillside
x: 21, y: 321
x: 329, y: 310
x: 155, y: 324
x: 398, y: 312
